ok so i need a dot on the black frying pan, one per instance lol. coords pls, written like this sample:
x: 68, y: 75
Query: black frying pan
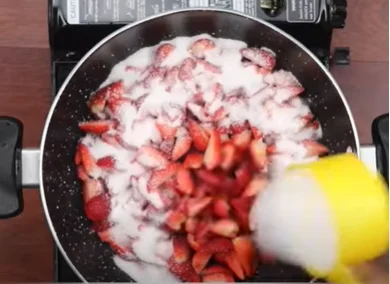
x: 60, y: 190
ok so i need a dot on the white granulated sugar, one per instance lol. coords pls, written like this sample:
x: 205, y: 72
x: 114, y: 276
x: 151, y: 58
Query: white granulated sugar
x: 155, y: 97
x: 291, y: 219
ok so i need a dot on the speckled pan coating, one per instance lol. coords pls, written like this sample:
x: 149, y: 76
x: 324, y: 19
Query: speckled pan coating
x: 61, y: 190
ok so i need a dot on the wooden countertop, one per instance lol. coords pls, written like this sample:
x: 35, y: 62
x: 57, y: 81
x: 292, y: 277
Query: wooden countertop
x: 26, y: 246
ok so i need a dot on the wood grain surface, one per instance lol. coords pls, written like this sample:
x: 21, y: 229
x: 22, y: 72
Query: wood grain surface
x: 26, y: 246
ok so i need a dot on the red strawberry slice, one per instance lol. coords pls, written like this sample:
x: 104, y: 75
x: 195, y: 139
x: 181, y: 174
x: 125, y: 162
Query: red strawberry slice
x: 97, y: 208
x: 263, y: 57
x: 202, y: 231
x: 97, y: 102
x: 194, y: 244
x: 167, y: 132
x: 175, y: 220
x: 113, y: 140
x: 185, y: 182
x: 314, y: 148
x: 219, y: 114
x: 241, y: 207
x: 193, y: 161
x: 81, y: 173
x: 186, y: 68
x: 243, y: 139
x: 218, y: 277
x: 212, y: 157
x: 199, y: 47
x: 181, y: 249
x: 184, y: 271
x: 246, y: 253
x: 213, y: 269
x: 208, y: 177
x: 200, y: 260
x: 216, y: 245
x: 182, y: 144
x: 197, y: 205
x: 105, y: 236
x: 221, y: 208
x: 88, y: 160
x: 228, y: 153
x: 106, y: 163
x: 166, y: 147
x: 209, y: 67
x: 91, y: 189
x: 199, y: 136
x: 256, y: 133
x: 162, y: 52
x: 160, y: 176
x: 149, y: 156
x: 238, y: 127
x: 258, y: 151
x: 225, y: 227
x: 256, y: 185
x: 191, y: 225
x: 243, y: 175
x: 96, y: 126
x: 77, y: 156
x: 171, y: 78
x: 231, y: 260
x: 114, y: 104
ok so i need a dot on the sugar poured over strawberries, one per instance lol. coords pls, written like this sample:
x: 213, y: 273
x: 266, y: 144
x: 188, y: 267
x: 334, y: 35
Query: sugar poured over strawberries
x: 186, y: 134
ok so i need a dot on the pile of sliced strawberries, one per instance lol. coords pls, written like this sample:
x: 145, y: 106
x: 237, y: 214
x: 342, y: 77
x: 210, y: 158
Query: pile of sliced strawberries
x: 206, y: 175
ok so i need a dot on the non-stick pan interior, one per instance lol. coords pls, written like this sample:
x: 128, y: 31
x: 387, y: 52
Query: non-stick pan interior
x: 61, y: 190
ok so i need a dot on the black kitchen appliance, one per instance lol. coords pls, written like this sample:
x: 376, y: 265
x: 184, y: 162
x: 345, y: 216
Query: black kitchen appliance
x: 75, y: 26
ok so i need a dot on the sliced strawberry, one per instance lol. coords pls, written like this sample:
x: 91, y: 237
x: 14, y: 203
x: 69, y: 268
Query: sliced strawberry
x: 231, y: 260
x: 186, y: 68
x: 97, y: 208
x: 199, y: 136
x: 225, y: 227
x: 96, y: 126
x: 91, y: 189
x: 81, y: 173
x: 212, y: 157
x: 199, y: 47
x: 256, y: 133
x: 185, y: 181
x: 243, y: 175
x: 113, y: 140
x: 215, y: 269
x: 238, y: 127
x: 175, y: 220
x: 169, y: 197
x: 216, y: 245
x: 241, y: 207
x: 114, y: 104
x: 166, y: 131
x: 218, y: 277
x: 171, y: 77
x: 160, y: 176
x: 77, y: 157
x: 101, y: 226
x: 88, y: 160
x: 184, y: 271
x: 194, y: 244
x: 181, y: 249
x: 209, y: 177
x: 182, y: 144
x: 200, y: 260
x: 191, y: 225
x: 258, y: 151
x: 166, y: 147
x: 193, y: 161
x: 149, y: 156
x: 106, y: 163
x: 256, y: 185
x: 221, y: 208
x: 228, y: 156
x: 209, y: 67
x: 263, y: 57
x: 202, y: 190
x: 196, y: 205
x: 246, y: 253
x: 162, y: 52
x: 242, y: 139
x: 314, y: 148
x: 97, y: 102
x: 105, y: 236
x: 202, y: 231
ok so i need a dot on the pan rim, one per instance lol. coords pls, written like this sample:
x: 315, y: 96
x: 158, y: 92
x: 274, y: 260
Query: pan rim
x: 129, y: 26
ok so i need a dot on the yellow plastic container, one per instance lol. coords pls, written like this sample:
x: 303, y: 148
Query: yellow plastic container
x: 358, y: 202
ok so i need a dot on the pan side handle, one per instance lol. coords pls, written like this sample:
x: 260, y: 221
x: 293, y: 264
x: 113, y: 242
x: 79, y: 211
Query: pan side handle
x: 11, y: 196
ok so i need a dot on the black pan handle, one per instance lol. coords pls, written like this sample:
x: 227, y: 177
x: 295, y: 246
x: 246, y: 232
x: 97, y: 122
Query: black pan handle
x: 11, y: 196
x: 380, y: 137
